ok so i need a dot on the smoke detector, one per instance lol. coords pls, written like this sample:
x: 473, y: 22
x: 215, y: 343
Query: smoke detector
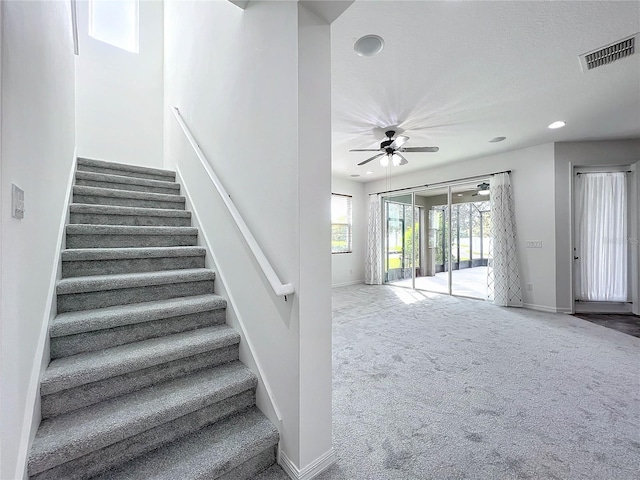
x: 609, y: 53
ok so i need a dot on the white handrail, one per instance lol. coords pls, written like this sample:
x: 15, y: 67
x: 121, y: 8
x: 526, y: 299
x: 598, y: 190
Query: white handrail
x: 280, y: 289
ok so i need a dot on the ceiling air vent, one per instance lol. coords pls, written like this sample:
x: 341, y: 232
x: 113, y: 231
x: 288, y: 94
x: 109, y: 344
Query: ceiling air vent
x: 609, y: 54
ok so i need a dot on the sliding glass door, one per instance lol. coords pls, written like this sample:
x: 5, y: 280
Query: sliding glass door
x: 439, y: 239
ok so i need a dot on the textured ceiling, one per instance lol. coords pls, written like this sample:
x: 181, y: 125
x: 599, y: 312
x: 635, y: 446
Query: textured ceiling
x: 455, y: 74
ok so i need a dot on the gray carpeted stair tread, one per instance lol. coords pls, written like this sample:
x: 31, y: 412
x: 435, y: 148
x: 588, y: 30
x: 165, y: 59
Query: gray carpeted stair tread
x: 72, y: 323
x: 90, y: 208
x: 70, y: 436
x: 81, y: 229
x: 122, y: 180
x: 129, y: 236
x: 125, y: 168
x: 128, y: 194
x: 85, y: 254
x: 70, y: 372
x: 97, y: 283
x: 209, y: 453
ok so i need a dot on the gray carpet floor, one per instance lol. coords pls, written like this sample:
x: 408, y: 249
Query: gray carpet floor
x: 428, y: 386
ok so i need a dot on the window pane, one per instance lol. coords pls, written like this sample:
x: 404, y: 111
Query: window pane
x: 115, y: 22
x: 341, y: 223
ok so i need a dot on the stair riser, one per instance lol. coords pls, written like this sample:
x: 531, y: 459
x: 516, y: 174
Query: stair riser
x: 112, y: 337
x: 127, y: 296
x: 131, y: 220
x: 128, y: 265
x: 129, y: 448
x: 126, y: 202
x: 127, y: 186
x: 124, y: 173
x: 74, y: 398
x: 124, y: 241
x: 252, y: 467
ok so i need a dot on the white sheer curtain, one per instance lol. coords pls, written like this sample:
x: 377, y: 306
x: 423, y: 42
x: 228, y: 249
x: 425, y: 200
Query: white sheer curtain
x: 601, y: 237
x: 503, y: 282
x: 373, y: 257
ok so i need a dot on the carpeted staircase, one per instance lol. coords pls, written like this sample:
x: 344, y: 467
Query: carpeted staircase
x: 144, y: 380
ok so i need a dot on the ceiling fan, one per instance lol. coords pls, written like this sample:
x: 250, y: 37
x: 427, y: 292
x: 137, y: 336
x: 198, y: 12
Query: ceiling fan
x: 391, y: 150
x: 482, y: 189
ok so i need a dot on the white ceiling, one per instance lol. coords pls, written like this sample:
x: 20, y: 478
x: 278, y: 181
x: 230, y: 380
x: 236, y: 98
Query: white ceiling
x: 455, y: 74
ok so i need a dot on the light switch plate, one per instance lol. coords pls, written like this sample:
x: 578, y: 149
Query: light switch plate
x: 17, y: 202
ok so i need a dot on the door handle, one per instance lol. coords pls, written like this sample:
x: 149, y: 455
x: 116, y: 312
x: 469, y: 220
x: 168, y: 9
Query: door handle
x: 576, y: 258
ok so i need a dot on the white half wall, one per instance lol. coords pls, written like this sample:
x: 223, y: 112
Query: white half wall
x: 37, y: 155
x: 348, y: 268
x: 532, y: 177
x: 582, y: 154
x: 236, y: 76
x: 120, y: 94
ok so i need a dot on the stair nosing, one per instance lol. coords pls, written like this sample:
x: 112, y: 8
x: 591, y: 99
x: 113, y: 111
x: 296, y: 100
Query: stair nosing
x: 120, y: 253
x: 130, y: 194
x: 83, y: 368
x: 124, y: 210
x: 100, y: 283
x: 133, y: 413
x: 92, y: 162
x: 122, y: 179
x: 83, y: 321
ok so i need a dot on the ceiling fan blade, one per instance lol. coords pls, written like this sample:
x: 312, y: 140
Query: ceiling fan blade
x: 398, y: 142
x: 404, y: 161
x: 420, y: 149
x: 372, y: 158
x: 365, y: 150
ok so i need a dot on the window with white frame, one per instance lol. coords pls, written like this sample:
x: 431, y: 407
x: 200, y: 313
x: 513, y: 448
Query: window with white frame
x: 341, y: 223
x: 115, y: 22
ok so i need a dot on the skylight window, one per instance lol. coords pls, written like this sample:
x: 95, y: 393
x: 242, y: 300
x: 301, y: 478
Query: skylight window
x: 115, y: 22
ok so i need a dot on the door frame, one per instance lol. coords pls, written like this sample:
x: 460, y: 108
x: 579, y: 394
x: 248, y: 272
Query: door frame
x: 630, y: 305
x: 412, y: 191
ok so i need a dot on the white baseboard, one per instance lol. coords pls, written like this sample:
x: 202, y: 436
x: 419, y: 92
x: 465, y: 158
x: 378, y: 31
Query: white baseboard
x: 542, y: 308
x: 315, y: 468
x: 344, y: 284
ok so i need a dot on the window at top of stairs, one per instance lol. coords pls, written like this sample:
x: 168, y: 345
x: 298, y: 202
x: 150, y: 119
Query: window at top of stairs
x: 116, y: 23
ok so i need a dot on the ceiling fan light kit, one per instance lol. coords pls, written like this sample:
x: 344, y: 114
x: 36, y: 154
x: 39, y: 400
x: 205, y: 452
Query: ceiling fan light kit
x: 391, y: 150
x: 483, y: 189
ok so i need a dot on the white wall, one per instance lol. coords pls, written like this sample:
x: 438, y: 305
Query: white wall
x: 532, y: 177
x: 37, y: 155
x: 236, y: 77
x: 635, y: 238
x: 567, y: 156
x: 119, y: 94
x: 348, y: 268
x: 314, y: 241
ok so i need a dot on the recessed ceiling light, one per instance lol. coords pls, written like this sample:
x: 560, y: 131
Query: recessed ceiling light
x: 558, y: 124
x: 369, y: 45
x: 459, y: 194
x: 369, y: 173
x: 497, y: 139
x: 354, y: 175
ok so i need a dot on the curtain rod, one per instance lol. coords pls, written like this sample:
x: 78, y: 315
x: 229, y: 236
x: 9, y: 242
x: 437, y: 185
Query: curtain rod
x: 609, y: 171
x: 449, y: 182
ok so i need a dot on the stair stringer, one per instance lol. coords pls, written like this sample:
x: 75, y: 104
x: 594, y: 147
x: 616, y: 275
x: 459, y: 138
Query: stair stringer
x: 264, y: 396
